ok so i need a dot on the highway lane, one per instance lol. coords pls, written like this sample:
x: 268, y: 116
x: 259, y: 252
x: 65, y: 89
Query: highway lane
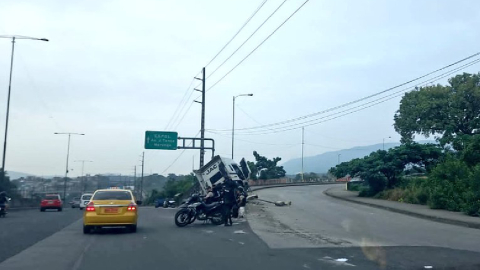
x: 316, y: 220
x: 23, y: 228
x: 158, y: 243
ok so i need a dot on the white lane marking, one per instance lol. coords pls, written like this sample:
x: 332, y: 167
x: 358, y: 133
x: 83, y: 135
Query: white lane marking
x: 239, y: 232
x: 337, y: 262
x: 306, y: 266
x: 207, y: 231
x: 428, y: 267
x: 241, y: 243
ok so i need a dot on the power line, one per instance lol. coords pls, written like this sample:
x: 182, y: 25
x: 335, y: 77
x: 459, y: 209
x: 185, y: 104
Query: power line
x: 252, y: 142
x: 179, y: 104
x: 181, y: 119
x: 182, y: 103
x: 181, y: 153
x: 254, y: 32
x: 358, y: 100
x: 381, y: 100
x: 238, y: 32
x: 248, y: 55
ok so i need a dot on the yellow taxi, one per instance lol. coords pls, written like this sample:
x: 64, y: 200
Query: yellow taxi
x: 111, y: 207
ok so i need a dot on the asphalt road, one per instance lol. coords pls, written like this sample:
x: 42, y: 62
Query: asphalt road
x: 23, y: 228
x: 159, y: 244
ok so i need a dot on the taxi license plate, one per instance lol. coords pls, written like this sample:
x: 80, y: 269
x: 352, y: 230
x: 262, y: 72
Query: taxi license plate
x: 50, y: 202
x: 111, y: 210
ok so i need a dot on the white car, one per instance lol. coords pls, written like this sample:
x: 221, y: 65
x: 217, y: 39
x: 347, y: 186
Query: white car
x: 85, y: 199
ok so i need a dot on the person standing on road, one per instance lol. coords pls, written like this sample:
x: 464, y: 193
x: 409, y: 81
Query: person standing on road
x: 228, y: 200
x: 3, y: 200
x: 209, y: 196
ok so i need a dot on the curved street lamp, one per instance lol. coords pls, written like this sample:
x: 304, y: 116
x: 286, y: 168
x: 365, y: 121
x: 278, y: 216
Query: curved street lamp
x: 233, y: 116
x: 68, y: 155
x: 13, y: 38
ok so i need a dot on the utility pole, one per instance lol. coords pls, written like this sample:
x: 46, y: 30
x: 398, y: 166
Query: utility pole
x: 83, y: 167
x: 303, y: 142
x: 141, y: 181
x: 202, y: 131
x: 135, y: 179
x: 68, y: 155
x: 202, y: 124
x: 338, y: 162
x: 233, y: 118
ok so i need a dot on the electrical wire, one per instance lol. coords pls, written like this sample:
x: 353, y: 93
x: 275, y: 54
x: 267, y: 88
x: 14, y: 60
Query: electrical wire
x: 179, y: 105
x: 252, y: 142
x: 181, y: 119
x: 248, y: 55
x: 241, y: 45
x: 181, y: 153
x: 358, y: 100
x: 342, y: 113
x: 239, y: 30
x: 182, y: 103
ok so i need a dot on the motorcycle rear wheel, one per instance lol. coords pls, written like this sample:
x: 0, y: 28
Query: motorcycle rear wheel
x: 217, y: 218
x: 182, y: 218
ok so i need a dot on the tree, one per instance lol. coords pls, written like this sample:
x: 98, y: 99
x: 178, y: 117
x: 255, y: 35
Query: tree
x: 450, y: 113
x: 253, y: 170
x: 268, y: 167
x: 383, y: 169
x: 5, y: 183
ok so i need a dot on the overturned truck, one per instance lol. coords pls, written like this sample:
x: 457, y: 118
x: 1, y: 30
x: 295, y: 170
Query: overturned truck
x: 218, y: 169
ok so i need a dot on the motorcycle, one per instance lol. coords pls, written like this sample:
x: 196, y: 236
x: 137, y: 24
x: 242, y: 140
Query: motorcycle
x: 195, y: 209
x: 3, y: 208
x: 169, y: 203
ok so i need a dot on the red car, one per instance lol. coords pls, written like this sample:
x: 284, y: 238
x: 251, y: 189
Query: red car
x: 51, y: 201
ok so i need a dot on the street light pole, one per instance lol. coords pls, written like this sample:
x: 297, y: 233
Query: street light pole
x: 68, y: 155
x: 83, y: 167
x: 233, y: 119
x: 9, y: 94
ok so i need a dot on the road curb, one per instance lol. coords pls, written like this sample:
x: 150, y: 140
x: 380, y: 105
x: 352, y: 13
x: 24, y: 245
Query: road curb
x: 391, y: 209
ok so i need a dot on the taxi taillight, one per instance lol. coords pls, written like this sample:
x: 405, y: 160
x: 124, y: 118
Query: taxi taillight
x: 131, y: 207
x: 90, y: 207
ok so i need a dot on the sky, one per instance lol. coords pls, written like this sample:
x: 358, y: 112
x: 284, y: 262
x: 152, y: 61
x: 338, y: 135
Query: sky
x: 114, y: 69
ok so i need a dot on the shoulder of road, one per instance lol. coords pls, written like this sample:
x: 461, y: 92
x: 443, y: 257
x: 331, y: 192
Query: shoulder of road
x: 420, y: 211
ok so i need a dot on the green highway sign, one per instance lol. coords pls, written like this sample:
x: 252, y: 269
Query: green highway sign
x: 161, y: 140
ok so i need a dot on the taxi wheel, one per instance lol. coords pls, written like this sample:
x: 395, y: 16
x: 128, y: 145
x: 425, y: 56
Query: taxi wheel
x: 42, y: 209
x: 87, y: 229
x: 60, y: 209
x: 133, y: 228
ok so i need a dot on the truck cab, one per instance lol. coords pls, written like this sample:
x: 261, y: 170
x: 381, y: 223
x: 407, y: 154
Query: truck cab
x: 218, y: 169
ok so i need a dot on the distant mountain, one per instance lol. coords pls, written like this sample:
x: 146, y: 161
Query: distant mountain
x: 16, y: 175
x: 323, y: 162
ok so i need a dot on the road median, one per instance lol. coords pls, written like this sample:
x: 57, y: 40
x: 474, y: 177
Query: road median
x: 419, y: 211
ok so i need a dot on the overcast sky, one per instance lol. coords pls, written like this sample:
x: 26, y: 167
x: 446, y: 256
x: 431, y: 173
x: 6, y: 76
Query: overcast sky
x: 114, y: 69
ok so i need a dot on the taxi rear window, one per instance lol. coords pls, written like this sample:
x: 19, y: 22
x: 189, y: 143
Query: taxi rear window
x: 112, y: 195
x: 51, y: 197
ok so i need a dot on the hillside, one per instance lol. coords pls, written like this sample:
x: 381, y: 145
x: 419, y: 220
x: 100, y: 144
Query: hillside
x: 323, y: 162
